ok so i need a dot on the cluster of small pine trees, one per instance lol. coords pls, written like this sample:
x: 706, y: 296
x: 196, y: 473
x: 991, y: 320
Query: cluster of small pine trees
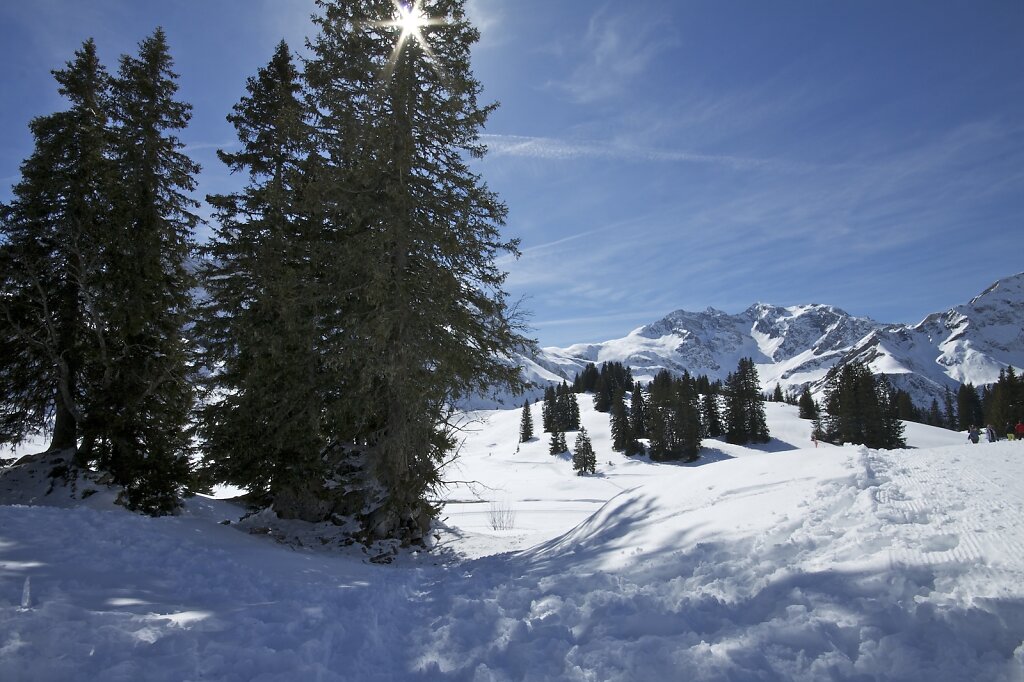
x: 350, y: 292
x: 744, y: 418
x: 560, y: 411
x: 1000, y: 404
x: 611, y: 380
x: 859, y: 407
x: 675, y: 413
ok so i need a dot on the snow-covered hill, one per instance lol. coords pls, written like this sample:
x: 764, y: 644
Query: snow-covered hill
x: 796, y: 346
x: 782, y: 562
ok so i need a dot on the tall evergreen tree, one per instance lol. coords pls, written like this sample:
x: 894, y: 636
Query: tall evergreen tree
x: 138, y: 429
x: 414, y: 236
x: 808, y: 408
x: 968, y: 407
x: 586, y: 380
x: 568, y: 409
x: 638, y: 412
x: 1005, y: 404
x: 951, y: 416
x: 262, y: 423
x: 623, y: 438
x: 549, y: 407
x: 101, y: 229
x: 53, y: 252
x: 711, y: 415
x: 526, y: 424
x: 905, y: 407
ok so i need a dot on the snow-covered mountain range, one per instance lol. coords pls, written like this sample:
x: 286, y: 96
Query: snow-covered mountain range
x: 795, y: 346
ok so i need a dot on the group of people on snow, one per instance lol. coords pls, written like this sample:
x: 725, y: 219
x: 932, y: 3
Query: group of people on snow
x: 1012, y: 432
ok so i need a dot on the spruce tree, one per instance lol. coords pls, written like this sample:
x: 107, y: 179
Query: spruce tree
x: 138, y: 428
x: 673, y: 418
x: 570, y: 410
x: 101, y: 229
x: 413, y: 237
x: 951, y: 417
x: 583, y: 458
x: 935, y: 414
x: 968, y: 407
x: 548, y: 409
x: 712, y: 416
x: 745, y: 419
x: 526, y: 424
x: 1005, y: 403
x: 623, y: 438
x: 860, y: 408
x: 557, y: 444
x: 638, y: 412
x: 586, y: 380
x: 262, y: 422
x: 53, y: 254
x: 808, y: 408
x: 905, y: 407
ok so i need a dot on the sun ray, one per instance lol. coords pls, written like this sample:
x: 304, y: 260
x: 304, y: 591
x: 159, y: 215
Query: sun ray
x: 410, y: 19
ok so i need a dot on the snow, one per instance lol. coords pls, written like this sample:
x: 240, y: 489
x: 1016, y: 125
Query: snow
x: 782, y: 562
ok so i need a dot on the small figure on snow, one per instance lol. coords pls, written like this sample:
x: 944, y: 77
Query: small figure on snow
x: 972, y: 434
x: 990, y: 433
x: 1019, y: 430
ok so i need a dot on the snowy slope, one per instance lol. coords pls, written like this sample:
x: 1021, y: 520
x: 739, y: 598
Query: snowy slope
x: 779, y: 563
x: 796, y: 346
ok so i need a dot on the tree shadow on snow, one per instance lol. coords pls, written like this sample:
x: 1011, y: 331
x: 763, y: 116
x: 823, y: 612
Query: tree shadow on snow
x: 532, y: 609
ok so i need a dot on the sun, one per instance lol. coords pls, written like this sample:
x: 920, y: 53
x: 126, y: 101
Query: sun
x: 410, y: 18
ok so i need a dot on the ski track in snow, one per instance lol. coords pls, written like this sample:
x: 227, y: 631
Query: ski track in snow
x: 786, y: 564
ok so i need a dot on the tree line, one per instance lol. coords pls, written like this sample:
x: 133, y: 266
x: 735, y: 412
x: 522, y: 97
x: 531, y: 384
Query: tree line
x: 312, y: 350
x: 672, y: 413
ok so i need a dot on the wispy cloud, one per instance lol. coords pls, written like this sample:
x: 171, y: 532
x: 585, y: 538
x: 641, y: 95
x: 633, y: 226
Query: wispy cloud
x: 487, y: 16
x: 616, y: 48
x: 567, y: 150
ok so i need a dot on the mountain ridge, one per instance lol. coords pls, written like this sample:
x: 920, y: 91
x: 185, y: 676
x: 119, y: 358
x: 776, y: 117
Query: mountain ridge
x: 795, y: 346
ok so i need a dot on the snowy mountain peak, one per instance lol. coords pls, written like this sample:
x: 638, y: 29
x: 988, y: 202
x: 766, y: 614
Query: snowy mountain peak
x: 796, y: 345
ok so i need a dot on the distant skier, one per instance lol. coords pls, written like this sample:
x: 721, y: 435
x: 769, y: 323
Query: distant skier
x: 990, y: 433
x: 1009, y: 431
x: 1019, y: 430
x: 972, y: 434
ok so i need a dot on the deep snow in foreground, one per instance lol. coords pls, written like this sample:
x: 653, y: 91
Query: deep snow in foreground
x: 783, y: 562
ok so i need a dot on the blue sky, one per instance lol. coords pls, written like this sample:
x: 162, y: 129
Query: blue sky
x: 664, y: 154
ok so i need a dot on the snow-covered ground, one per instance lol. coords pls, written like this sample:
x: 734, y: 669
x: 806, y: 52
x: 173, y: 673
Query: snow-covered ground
x: 785, y: 562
